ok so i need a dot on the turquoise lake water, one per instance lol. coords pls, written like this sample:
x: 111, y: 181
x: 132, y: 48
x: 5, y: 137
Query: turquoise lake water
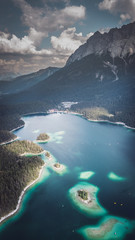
x: 46, y: 212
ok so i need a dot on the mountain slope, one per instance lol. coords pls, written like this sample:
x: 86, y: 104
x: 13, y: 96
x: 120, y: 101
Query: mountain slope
x: 93, y: 78
x: 24, y: 82
x: 96, y: 80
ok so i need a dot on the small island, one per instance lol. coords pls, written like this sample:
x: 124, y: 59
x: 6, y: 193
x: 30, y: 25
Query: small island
x: 57, y: 165
x: 114, y: 177
x: 86, y: 175
x: 110, y: 227
x: 61, y: 169
x: 47, y: 154
x: 84, y: 197
x: 24, y: 148
x: 6, y: 137
x: 43, y: 138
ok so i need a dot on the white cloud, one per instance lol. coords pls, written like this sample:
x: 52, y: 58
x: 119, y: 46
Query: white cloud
x: 107, y: 4
x: 126, y: 8
x: 124, y: 17
x: 26, y: 45
x: 22, y: 54
x: 74, y: 12
x: 48, y: 20
x: 104, y: 30
x: 68, y: 41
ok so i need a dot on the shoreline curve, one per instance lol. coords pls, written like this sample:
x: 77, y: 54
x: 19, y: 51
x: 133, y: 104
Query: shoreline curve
x: 73, y: 113
x: 4, y: 218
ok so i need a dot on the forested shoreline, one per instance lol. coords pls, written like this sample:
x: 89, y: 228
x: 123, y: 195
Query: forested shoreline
x: 6, y: 136
x: 16, y: 172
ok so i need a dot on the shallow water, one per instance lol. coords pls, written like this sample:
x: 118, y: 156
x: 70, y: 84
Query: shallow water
x: 46, y: 212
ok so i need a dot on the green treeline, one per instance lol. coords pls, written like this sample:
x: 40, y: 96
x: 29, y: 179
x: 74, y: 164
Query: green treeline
x: 16, y: 173
x: 83, y: 194
x: 6, y: 136
x: 25, y: 146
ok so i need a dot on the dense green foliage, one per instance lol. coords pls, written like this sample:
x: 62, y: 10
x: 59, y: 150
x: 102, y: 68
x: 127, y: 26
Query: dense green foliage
x: 83, y: 194
x: 6, y: 136
x: 43, y: 137
x: 21, y: 147
x: 10, y: 115
x: 57, y: 165
x: 16, y: 173
x: 47, y: 154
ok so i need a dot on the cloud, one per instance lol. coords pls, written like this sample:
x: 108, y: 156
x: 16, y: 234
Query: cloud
x: 26, y: 45
x: 68, y: 41
x: 126, y: 8
x: 48, y: 20
x: 104, y: 30
x: 22, y: 55
x: 21, y: 65
x: 10, y: 66
x: 124, y: 17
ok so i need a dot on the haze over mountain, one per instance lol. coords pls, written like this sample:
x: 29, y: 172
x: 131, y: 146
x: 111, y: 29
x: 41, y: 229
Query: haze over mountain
x: 24, y: 82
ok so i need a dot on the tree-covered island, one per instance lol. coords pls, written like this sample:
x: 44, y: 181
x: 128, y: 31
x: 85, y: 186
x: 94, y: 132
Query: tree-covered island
x: 57, y: 165
x: 43, y: 138
x: 84, y: 197
x: 48, y: 155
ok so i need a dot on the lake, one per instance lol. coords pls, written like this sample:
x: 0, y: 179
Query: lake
x: 47, y: 212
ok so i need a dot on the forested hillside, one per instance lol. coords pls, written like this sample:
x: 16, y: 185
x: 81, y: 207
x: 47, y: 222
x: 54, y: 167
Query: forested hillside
x: 6, y: 136
x: 16, y: 173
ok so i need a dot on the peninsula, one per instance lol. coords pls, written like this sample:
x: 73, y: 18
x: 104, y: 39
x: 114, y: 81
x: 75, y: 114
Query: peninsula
x: 24, y: 147
x: 16, y: 174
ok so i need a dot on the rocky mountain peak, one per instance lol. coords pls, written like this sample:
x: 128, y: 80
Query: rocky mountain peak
x: 119, y: 42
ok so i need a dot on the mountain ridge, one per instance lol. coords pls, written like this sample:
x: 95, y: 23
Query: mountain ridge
x: 119, y: 42
x: 94, y: 81
x: 24, y: 82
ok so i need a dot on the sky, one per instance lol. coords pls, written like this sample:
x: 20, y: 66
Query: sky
x: 36, y: 34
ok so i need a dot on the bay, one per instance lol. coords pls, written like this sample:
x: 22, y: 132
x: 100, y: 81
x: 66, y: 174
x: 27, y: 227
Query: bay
x: 46, y: 211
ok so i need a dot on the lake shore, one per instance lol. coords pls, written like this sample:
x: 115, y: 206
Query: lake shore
x: 12, y: 140
x: 17, y: 128
x: 74, y: 113
x: 32, y: 154
x: 2, y: 219
x: 115, y: 123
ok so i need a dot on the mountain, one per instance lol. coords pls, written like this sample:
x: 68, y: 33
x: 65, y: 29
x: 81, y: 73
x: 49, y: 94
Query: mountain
x: 117, y: 42
x: 24, y: 82
x: 95, y: 78
x: 8, y: 76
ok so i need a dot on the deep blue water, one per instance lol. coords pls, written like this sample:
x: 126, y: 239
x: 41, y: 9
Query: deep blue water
x: 47, y: 213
